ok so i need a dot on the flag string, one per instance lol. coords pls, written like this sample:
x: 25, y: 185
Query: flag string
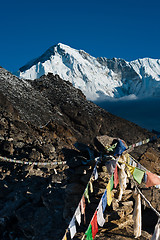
x: 5, y: 159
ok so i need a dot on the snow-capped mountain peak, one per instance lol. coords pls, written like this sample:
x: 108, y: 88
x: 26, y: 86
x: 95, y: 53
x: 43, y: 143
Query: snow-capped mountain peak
x: 98, y: 78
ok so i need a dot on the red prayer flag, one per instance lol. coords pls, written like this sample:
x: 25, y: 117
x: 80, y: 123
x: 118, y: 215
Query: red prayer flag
x: 152, y: 179
x: 94, y: 225
x: 116, y: 179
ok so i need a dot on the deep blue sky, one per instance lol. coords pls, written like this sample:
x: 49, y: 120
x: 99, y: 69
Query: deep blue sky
x: 115, y: 28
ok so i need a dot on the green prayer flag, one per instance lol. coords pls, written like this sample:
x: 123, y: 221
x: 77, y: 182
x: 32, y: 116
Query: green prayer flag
x: 111, y: 182
x: 88, y: 233
x: 111, y: 148
x: 147, y: 140
x: 86, y: 193
x: 138, y: 175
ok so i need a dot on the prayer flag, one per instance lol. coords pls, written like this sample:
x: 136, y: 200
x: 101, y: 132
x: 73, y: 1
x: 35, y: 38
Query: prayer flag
x: 78, y: 214
x: 83, y: 205
x: 156, y: 234
x: 127, y: 158
x: 109, y: 196
x: 141, y: 167
x: 111, y: 164
x: 65, y: 236
x: 137, y: 216
x: 95, y: 173
x: 138, y: 175
x: 86, y: 194
x: 111, y: 148
x: 91, y: 185
x: 130, y: 168
x: 132, y: 162
x: 152, y: 179
x: 94, y: 225
x: 111, y: 182
x: 145, y: 177
x: 116, y: 179
x: 104, y: 200
x: 120, y: 148
x: 100, y: 217
x: 147, y: 140
x: 88, y: 233
x: 72, y: 227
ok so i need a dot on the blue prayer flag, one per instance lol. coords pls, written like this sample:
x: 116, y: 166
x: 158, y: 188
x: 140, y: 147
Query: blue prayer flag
x: 104, y: 200
x: 120, y: 148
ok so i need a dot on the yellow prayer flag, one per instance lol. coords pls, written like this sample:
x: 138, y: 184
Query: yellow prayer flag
x: 65, y: 236
x: 130, y: 168
x: 91, y: 186
x: 127, y: 158
x: 109, y: 196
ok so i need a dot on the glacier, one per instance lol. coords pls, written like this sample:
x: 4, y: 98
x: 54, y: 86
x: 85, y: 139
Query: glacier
x: 98, y: 78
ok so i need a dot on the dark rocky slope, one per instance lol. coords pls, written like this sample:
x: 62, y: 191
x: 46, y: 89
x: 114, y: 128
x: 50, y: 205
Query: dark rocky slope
x: 40, y: 121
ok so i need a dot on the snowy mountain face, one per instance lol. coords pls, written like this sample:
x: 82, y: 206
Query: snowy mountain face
x: 97, y: 78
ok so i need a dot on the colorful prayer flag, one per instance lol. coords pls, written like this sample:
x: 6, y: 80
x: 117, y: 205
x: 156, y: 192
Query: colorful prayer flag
x: 104, y: 200
x: 109, y: 196
x: 111, y: 183
x: 88, y: 233
x: 138, y: 175
x: 95, y: 173
x: 91, y: 185
x: 130, y: 168
x: 152, y: 179
x: 78, y: 215
x: 86, y: 194
x: 94, y: 225
x: 72, y: 227
x: 116, y: 179
x: 127, y: 158
x: 156, y: 234
x: 100, y: 217
x: 141, y: 167
x: 147, y: 140
x: 120, y: 148
x: 65, y: 236
x: 145, y: 177
x: 111, y: 148
x: 111, y: 164
x: 83, y: 206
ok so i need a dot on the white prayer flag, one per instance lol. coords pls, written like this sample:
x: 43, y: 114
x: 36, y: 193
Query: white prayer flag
x: 72, y: 227
x: 78, y: 215
x: 100, y: 217
x: 156, y: 234
x: 95, y: 173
